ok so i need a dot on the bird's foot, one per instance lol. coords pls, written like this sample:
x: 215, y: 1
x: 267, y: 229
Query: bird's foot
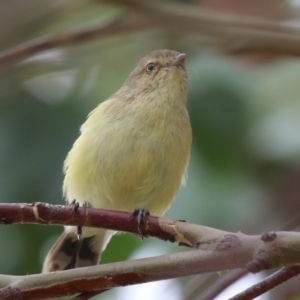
x: 75, y: 206
x: 141, y: 215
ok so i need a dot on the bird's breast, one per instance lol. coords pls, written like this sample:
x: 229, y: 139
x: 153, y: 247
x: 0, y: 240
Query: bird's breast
x: 130, y: 162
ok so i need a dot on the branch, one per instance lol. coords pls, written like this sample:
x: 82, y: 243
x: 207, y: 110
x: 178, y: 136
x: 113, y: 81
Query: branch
x: 47, y: 214
x: 121, y: 24
x: 232, y: 33
x: 216, y: 250
x: 269, y: 250
x: 210, y: 290
x: 192, y: 235
x: 225, y: 281
x: 268, y: 283
x: 229, y: 33
x: 99, y: 277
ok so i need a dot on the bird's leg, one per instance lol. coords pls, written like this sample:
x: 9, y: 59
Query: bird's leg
x: 75, y: 206
x: 141, y: 215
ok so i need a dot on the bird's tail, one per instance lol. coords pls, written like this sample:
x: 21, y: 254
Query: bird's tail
x: 68, y: 252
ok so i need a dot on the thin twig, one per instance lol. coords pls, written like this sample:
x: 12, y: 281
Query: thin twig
x: 217, y: 287
x: 268, y: 283
x: 229, y: 33
x: 232, y: 33
x: 120, y: 24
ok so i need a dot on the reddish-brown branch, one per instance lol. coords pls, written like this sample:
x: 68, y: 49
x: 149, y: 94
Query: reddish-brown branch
x: 217, y: 251
x: 41, y: 213
x: 261, y: 249
x: 268, y: 283
x: 10, y: 293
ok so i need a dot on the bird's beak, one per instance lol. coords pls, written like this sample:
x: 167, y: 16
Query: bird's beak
x: 178, y: 60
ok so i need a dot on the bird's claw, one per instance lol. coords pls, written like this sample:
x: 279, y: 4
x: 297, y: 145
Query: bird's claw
x: 141, y: 215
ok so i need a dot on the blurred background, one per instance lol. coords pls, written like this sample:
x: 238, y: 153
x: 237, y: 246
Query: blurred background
x: 244, y: 172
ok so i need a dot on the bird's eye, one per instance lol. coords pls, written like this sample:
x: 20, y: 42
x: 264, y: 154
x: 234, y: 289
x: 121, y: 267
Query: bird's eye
x: 150, y: 67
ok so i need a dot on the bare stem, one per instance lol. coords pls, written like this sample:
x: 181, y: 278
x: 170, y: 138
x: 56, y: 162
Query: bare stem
x: 216, y: 250
x: 228, y: 33
x: 268, y: 283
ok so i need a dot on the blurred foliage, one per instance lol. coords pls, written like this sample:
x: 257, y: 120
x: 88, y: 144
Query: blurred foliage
x: 218, y: 113
x: 245, y: 167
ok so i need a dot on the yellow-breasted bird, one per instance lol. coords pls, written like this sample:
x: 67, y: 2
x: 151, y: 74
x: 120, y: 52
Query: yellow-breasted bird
x: 132, y: 152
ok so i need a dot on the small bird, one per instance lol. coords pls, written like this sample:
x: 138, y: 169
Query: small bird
x: 132, y: 153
